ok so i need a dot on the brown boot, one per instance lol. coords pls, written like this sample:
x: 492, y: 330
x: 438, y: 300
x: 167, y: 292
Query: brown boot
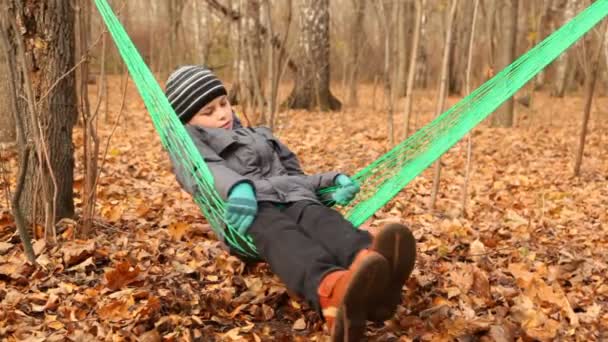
x: 396, y: 243
x: 346, y: 296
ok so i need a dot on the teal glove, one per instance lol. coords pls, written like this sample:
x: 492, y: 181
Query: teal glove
x: 241, y: 208
x: 347, y: 190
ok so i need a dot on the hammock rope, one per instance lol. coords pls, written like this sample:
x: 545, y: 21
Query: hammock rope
x: 388, y: 175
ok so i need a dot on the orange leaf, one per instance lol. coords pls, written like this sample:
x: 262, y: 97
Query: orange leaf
x: 178, y: 230
x: 121, y: 276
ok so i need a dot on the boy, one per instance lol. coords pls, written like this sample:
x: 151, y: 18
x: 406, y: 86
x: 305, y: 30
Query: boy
x: 347, y: 276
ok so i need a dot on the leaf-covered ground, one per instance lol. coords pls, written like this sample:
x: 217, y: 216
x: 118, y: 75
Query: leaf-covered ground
x: 527, y: 262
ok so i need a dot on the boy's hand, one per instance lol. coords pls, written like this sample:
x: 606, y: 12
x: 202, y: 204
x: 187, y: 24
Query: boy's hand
x: 241, y: 208
x: 347, y: 190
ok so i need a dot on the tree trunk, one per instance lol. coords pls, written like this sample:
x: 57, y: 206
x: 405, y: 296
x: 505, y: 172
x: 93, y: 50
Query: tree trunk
x: 45, y: 30
x: 404, y: 11
x: 312, y: 84
x: 591, y: 75
x: 201, y: 32
x: 462, y: 32
x: 540, y: 31
x: 175, y: 22
x: 248, y: 63
x: 443, y: 93
x: 355, y: 51
x: 506, y: 55
x: 467, y: 87
x: 7, y: 118
x: 562, y: 63
x: 422, y: 70
x: 412, y: 68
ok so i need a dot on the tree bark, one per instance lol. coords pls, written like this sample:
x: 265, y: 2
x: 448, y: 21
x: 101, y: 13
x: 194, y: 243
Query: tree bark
x: 7, y: 118
x: 412, y: 68
x: 443, y: 93
x: 312, y: 83
x: 249, y: 60
x: 201, y: 30
x: 175, y: 21
x: 540, y: 31
x: 591, y: 75
x: 462, y: 32
x: 235, y: 15
x: 563, y: 61
x: 355, y: 51
x: 467, y: 87
x: 507, y: 52
x: 45, y: 30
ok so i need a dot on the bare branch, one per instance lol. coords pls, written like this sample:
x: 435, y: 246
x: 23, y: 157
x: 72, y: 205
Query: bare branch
x: 236, y: 16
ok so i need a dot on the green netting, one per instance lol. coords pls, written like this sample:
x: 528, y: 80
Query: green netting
x: 385, y: 177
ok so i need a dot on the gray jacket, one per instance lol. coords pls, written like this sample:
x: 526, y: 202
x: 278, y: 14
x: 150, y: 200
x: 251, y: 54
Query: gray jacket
x: 255, y: 156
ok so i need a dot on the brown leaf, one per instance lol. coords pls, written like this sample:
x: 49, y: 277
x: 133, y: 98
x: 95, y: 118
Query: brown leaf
x: 77, y: 251
x: 38, y: 246
x: 267, y: 312
x: 521, y: 274
x: 116, y: 310
x: 150, y: 336
x: 121, y: 276
x: 481, y: 284
x: 178, y: 230
x: 502, y: 333
x: 5, y: 247
x: 300, y: 324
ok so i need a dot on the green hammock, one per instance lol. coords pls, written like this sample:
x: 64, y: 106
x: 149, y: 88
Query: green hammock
x: 385, y: 177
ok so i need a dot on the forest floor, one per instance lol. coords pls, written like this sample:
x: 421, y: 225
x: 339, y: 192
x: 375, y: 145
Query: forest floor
x: 527, y: 262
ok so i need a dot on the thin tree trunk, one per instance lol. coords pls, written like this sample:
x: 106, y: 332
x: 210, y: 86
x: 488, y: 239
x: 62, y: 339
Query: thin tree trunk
x: 545, y: 6
x: 400, y: 47
x: 355, y: 52
x: 89, y: 119
x: 409, y: 96
x: 563, y: 60
x: 504, y: 114
x: 52, y: 117
x: 467, y: 85
x: 443, y: 94
x: 591, y: 77
x: 7, y: 115
x: 271, y: 69
x: 201, y: 24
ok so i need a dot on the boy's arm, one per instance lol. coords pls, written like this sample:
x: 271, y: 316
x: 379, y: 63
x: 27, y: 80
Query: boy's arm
x: 289, y: 159
x: 286, y: 156
x: 224, y: 177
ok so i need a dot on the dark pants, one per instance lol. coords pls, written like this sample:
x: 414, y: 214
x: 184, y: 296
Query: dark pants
x: 303, y: 241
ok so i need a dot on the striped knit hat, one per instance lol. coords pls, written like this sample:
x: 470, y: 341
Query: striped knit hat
x: 190, y: 88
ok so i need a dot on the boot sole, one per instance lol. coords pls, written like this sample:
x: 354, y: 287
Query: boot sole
x: 366, y: 287
x: 396, y: 243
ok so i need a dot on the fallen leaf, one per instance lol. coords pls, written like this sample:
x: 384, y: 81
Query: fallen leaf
x: 178, y: 230
x: 477, y: 250
x: 116, y: 310
x: 83, y: 265
x: 5, y: 247
x: 300, y: 324
x: 38, y: 246
x: 77, y: 251
x: 121, y: 276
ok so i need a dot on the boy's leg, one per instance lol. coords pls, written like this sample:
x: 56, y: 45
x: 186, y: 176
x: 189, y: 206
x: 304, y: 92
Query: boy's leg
x: 330, y: 229
x: 394, y: 242
x: 298, y: 260
x: 343, y: 296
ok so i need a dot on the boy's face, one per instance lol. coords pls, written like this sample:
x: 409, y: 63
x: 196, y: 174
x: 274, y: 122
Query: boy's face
x: 216, y: 114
